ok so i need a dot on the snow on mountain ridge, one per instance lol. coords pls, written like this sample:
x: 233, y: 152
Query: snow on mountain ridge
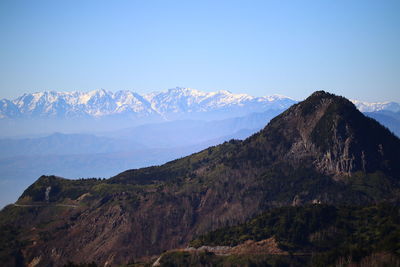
x: 178, y: 100
x: 164, y: 104
x: 70, y: 104
x: 364, y: 106
x: 97, y: 103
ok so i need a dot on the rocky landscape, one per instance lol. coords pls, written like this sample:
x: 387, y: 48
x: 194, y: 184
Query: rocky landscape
x: 321, y: 151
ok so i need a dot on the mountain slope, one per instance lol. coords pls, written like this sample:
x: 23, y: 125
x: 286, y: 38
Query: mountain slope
x: 322, y: 150
x: 324, y: 131
x: 316, y: 235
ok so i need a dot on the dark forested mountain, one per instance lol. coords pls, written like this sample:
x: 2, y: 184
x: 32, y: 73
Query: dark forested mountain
x: 322, y: 150
x: 313, y: 235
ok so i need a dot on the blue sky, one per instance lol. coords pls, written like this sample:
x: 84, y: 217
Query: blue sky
x: 293, y: 48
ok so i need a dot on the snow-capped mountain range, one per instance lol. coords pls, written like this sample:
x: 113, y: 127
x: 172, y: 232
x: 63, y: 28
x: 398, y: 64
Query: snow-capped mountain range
x: 376, y: 106
x: 100, y: 103
x: 171, y: 104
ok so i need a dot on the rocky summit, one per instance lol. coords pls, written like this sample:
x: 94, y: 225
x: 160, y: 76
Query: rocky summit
x: 322, y: 150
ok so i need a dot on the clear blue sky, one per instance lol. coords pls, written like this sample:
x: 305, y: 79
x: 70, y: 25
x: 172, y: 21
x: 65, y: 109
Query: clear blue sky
x: 347, y: 47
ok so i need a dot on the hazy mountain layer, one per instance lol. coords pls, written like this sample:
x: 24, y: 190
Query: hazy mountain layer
x: 84, y: 155
x: 387, y: 118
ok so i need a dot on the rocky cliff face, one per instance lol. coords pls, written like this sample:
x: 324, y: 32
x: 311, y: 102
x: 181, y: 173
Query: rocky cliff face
x: 335, y: 136
x: 321, y: 150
